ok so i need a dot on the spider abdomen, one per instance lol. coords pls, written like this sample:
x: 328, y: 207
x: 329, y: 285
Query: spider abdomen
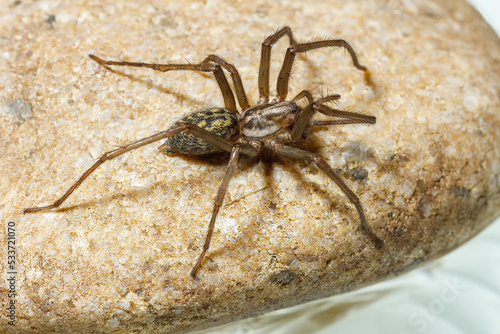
x: 220, y: 121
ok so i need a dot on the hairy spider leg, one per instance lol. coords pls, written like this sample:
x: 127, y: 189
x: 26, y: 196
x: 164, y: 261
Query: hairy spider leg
x: 212, y: 64
x: 233, y: 161
x: 265, y: 61
x: 296, y: 153
x: 238, y: 147
x: 284, y: 75
x: 304, y: 94
x: 238, y: 84
x: 222, y: 143
x: 304, y: 117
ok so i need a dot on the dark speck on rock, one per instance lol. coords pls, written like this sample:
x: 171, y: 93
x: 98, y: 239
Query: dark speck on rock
x: 460, y: 191
x: 283, y: 277
x: 358, y: 173
x: 18, y: 108
x: 399, y: 233
x: 51, y: 19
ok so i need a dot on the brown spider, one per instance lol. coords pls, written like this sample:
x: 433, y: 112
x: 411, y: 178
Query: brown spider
x: 265, y: 126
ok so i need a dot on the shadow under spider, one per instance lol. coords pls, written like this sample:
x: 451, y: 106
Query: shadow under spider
x: 147, y: 83
x: 248, y: 228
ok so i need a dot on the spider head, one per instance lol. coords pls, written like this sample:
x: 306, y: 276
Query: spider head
x: 266, y: 120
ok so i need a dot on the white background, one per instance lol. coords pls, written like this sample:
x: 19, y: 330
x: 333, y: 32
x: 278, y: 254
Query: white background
x: 458, y: 294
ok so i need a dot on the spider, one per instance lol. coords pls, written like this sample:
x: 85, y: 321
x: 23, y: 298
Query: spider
x: 267, y: 125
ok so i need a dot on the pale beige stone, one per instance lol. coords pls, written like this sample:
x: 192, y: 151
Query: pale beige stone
x: 116, y: 257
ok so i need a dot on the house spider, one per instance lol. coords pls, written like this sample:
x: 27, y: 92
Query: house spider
x: 264, y: 126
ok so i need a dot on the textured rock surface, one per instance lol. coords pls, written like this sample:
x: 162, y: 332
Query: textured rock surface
x: 117, y: 256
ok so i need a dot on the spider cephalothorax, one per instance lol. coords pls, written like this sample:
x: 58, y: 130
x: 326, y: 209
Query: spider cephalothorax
x: 264, y: 126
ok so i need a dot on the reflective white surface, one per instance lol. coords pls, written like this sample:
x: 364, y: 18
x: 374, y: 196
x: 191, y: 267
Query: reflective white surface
x: 490, y: 9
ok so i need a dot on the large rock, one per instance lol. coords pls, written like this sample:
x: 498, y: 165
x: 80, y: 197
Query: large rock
x: 116, y: 257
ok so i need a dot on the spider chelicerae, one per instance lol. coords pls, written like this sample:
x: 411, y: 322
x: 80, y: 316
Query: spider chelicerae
x: 265, y: 126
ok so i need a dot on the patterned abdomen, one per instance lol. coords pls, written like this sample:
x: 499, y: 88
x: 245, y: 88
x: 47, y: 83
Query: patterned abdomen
x: 220, y: 121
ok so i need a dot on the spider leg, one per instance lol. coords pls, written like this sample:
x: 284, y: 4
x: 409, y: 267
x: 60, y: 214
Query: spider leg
x: 205, y: 66
x: 301, y: 95
x: 195, y: 130
x: 336, y: 122
x: 301, y: 122
x: 362, y: 118
x: 265, y: 61
x: 238, y: 85
x: 296, y: 153
x: 284, y: 75
x: 328, y: 98
x: 304, y: 118
x: 235, y: 152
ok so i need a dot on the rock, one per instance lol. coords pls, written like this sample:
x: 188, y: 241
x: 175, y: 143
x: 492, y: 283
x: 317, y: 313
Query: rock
x: 18, y: 108
x: 116, y: 257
